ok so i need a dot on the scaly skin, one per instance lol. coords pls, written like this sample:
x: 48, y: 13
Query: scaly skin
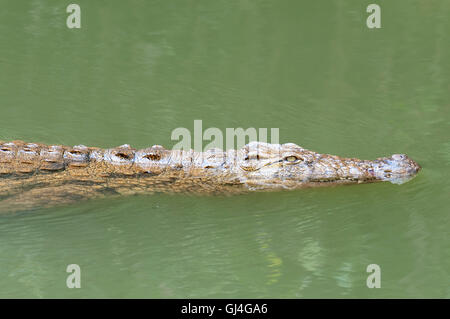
x: 35, y: 175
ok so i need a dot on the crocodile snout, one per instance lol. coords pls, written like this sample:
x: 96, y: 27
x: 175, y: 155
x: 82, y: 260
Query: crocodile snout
x: 396, y: 169
x: 404, y: 161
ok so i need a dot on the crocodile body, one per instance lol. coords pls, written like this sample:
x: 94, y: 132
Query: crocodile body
x: 36, y: 175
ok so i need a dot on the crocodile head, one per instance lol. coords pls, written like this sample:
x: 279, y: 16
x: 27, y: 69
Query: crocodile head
x: 263, y: 165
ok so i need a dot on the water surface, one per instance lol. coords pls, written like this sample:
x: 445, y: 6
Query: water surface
x: 137, y: 70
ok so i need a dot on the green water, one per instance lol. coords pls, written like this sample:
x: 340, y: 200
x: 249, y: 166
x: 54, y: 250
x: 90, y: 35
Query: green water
x: 136, y: 70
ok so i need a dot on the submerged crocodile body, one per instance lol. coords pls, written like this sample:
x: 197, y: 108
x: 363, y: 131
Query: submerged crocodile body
x: 36, y: 175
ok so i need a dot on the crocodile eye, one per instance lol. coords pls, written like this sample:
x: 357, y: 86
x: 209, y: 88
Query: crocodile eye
x: 291, y: 159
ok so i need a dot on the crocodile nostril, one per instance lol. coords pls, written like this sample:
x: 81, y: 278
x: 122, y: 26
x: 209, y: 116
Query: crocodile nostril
x: 415, y: 167
x: 398, y: 157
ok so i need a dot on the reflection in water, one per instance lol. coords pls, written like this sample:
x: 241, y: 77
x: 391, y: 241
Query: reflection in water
x: 134, y: 73
x: 274, y: 262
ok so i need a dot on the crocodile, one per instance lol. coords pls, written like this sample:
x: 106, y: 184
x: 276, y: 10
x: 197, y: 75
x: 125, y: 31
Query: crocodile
x: 35, y: 175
